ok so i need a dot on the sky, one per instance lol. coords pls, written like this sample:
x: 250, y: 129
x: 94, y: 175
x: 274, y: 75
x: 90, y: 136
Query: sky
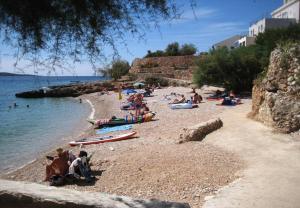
x: 211, y: 21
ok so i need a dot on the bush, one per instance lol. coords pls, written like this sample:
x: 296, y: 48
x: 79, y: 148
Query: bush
x: 234, y: 70
x: 188, y: 49
x: 157, y: 53
x: 270, y: 39
x: 118, y: 69
x: 173, y: 49
x: 154, y: 80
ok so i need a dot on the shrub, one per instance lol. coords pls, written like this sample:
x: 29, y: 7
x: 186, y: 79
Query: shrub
x: 154, y: 80
x: 172, y: 49
x: 157, y: 53
x: 118, y: 69
x: 234, y: 70
x: 188, y: 49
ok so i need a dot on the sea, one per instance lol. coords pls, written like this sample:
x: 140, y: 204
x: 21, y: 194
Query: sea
x: 36, y: 125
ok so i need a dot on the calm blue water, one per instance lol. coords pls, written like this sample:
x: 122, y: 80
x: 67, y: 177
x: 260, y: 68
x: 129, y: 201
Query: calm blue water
x: 26, y: 132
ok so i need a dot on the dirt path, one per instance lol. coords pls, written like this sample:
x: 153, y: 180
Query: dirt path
x: 272, y: 177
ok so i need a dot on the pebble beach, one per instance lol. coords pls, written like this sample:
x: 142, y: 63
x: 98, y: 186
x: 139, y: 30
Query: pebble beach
x: 153, y: 164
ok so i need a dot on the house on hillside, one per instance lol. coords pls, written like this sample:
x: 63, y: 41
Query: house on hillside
x: 284, y: 16
x: 289, y: 10
x: 269, y: 23
x: 230, y: 43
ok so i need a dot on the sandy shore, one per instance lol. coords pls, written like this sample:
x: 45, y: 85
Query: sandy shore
x: 153, y: 165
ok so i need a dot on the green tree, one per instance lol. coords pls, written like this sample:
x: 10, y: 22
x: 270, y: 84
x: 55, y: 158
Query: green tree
x: 172, y: 49
x: 234, y: 70
x: 77, y: 29
x: 188, y: 49
x: 118, y: 69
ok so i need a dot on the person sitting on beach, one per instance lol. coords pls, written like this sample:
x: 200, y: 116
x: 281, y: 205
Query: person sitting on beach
x: 177, y: 101
x: 80, y: 167
x: 148, y: 91
x: 59, y: 164
x: 158, y: 86
x: 138, y: 101
x: 145, y: 109
x: 232, y: 94
x: 193, y: 90
x: 131, y: 98
x: 196, y: 98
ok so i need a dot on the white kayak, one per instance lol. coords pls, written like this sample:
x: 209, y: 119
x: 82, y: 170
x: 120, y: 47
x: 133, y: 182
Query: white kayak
x: 182, y: 106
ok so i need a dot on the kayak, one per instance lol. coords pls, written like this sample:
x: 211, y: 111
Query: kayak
x: 182, y: 106
x: 102, y: 139
x: 122, y: 121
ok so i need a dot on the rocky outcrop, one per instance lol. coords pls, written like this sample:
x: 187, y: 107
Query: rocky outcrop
x: 28, y: 195
x: 276, y: 99
x: 72, y: 90
x: 199, y: 131
x: 178, y: 67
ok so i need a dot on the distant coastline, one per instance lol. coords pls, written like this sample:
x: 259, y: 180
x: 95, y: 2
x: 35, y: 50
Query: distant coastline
x: 12, y: 74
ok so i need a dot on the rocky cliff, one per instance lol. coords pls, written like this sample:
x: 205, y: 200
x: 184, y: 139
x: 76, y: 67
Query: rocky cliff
x: 178, y: 67
x: 71, y: 90
x: 276, y: 99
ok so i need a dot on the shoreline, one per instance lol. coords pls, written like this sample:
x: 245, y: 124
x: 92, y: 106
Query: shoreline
x: 61, y: 141
x: 133, y: 160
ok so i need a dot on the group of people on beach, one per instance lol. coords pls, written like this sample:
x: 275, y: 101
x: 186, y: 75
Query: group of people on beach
x: 195, y: 99
x: 65, y: 166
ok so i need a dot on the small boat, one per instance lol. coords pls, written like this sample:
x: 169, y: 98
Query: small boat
x: 102, y: 139
x: 122, y: 121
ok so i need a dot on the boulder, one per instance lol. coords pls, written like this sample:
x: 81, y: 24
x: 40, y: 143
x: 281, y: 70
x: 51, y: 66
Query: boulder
x: 199, y: 131
x: 276, y: 98
x: 29, y: 195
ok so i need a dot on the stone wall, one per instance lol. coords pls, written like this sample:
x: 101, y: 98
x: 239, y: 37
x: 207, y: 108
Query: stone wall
x: 178, y: 67
x: 276, y: 99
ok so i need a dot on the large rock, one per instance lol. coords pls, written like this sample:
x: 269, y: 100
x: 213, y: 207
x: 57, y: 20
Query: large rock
x: 199, y: 131
x: 73, y: 90
x: 29, y: 195
x: 276, y: 99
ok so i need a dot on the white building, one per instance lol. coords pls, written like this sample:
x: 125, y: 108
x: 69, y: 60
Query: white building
x: 246, y: 41
x: 230, y: 43
x: 269, y: 23
x: 289, y: 9
x: 284, y: 16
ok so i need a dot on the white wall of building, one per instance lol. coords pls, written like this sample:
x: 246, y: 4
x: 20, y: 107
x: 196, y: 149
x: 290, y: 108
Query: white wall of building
x: 290, y: 9
x: 246, y: 41
x: 258, y: 27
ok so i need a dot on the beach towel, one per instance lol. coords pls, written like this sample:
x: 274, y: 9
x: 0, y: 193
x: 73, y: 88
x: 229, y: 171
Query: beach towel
x: 112, y: 129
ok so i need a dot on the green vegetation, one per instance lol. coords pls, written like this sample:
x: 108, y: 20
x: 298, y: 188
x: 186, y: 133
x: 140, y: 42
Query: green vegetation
x: 118, y: 69
x: 232, y: 69
x: 237, y: 69
x: 77, y: 30
x: 155, y: 80
x: 173, y: 49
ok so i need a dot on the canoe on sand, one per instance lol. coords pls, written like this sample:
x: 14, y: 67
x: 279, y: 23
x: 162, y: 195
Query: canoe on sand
x: 122, y: 121
x: 102, y: 139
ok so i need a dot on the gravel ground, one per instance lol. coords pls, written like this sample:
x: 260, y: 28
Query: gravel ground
x: 153, y: 165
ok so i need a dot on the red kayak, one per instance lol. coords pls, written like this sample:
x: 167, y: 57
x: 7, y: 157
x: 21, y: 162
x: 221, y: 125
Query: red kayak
x: 103, y: 139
